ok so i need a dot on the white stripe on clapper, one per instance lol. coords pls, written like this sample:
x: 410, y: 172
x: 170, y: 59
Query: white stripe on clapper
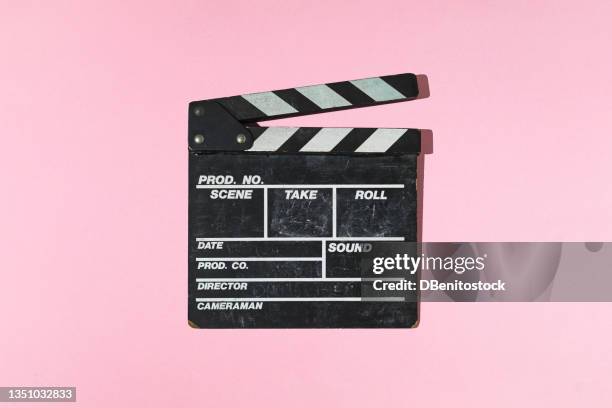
x: 323, y: 96
x: 272, y: 138
x: 380, y: 141
x: 377, y: 89
x: 269, y: 103
x: 326, y: 139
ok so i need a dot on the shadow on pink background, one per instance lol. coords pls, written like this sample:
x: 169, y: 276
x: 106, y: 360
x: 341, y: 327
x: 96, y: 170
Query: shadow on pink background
x: 93, y: 169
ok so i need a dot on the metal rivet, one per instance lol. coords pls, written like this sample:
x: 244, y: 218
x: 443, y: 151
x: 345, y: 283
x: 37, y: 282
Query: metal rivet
x: 198, y: 111
x: 240, y: 138
x: 198, y: 139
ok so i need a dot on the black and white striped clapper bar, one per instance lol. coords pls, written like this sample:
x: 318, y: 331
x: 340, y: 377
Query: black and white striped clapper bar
x: 280, y: 217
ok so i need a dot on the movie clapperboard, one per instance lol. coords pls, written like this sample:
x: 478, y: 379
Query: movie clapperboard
x: 276, y: 214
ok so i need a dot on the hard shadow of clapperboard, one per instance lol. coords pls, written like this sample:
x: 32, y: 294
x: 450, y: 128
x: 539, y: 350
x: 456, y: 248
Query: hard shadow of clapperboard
x: 426, y: 148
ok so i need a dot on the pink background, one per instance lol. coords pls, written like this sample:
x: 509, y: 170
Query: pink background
x: 93, y: 166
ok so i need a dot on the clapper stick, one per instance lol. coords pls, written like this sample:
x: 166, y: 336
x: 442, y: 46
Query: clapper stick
x: 307, y: 100
x: 335, y: 140
x: 279, y: 215
x: 238, y: 114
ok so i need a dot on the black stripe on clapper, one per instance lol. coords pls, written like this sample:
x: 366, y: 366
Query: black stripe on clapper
x: 298, y: 139
x: 297, y: 100
x: 241, y: 108
x: 353, y: 140
x: 406, y: 84
x: 410, y: 142
x: 351, y: 93
x: 256, y: 131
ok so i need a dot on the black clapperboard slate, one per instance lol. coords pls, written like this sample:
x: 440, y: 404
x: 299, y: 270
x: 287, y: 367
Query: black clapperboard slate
x: 274, y: 210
